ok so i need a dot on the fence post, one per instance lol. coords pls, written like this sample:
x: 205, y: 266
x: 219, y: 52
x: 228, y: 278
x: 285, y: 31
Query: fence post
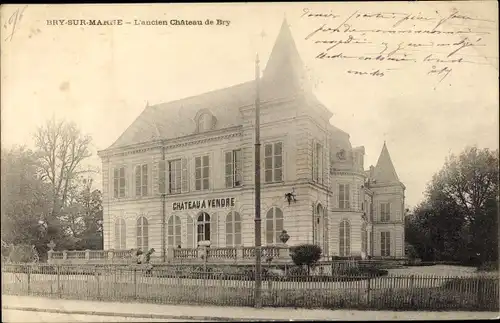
x: 480, y: 301
x: 58, y: 281
x: 96, y: 274
x: 368, y: 298
x: 29, y: 279
x: 412, y: 279
x: 135, y: 283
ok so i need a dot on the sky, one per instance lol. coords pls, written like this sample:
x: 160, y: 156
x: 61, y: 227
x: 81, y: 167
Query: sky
x: 102, y: 77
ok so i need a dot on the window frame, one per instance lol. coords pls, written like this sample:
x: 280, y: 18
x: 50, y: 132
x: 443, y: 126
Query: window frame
x: 174, y: 222
x: 204, y: 224
x: 177, y: 177
x: 273, y: 156
x: 385, y: 243
x: 143, y: 180
x: 119, y: 191
x: 344, y: 203
x: 275, y: 230
x: 142, y: 225
x: 385, y: 212
x: 345, y: 238
x: 318, y: 162
x: 120, y: 238
x: 202, y: 178
x: 235, y: 166
x: 231, y: 222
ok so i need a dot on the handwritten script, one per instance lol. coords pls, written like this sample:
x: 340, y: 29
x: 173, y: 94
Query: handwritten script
x: 12, y: 23
x: 392, y: 41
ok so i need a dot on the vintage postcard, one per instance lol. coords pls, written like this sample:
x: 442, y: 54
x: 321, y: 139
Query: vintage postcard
x: 233, y: 161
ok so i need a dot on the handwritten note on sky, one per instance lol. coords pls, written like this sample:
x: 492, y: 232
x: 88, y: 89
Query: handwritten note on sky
x: 386, y: 43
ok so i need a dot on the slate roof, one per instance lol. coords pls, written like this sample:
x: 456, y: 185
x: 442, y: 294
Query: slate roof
x: 283, y: 76
x: 384, y: 171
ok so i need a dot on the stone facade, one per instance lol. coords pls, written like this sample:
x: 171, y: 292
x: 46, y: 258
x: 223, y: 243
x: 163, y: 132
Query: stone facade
x: 183, y: 172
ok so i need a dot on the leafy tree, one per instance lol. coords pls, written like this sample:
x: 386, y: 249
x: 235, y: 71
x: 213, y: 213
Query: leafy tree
x: 306, y: 254
x: 25, y: 200
x: 459, y: 218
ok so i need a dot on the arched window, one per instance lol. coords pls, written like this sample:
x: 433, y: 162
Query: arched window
x: 205, y: 122
x: 274, y: 225
x: 142, y: 234
x: 203, y: 225
x: 174, y: 231
x: 190, y: 232
x: 345, y: 239
x: 364, y: 239
x: 120, y: 234
x: 233, y: 229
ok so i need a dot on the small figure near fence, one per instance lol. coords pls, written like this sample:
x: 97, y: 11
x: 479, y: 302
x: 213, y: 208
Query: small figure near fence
x: 140, y: 256
x: 147, y: 257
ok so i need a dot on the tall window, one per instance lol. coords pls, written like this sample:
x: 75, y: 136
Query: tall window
x: 202, y: 173
x: 318, y: 163
x: 233, y: 168
x: 274, y: 225
x: 273, y: 162
x: 344, y: 196
x: 174, y: 231
x: 141, y: 180
x: 119, y: 182
x: 385, y: 212
x: 318, y: 225
x: 233, y: 229
x: 364, y: 238
x: 120, y: 234
x: 174, y: 176
x: 345, y: 239
x: 190, y: 232
x: 385, y: 244
x: 203, y: 225
x: 142, y: 233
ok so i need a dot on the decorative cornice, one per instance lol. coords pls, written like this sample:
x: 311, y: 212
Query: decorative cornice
x: 188, y: 140
x: 346, y: 172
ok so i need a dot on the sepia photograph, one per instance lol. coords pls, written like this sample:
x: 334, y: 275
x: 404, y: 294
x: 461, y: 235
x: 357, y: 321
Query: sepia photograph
x: 249, y: 161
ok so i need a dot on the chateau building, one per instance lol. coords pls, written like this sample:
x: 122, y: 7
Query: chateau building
x: 183, y: 173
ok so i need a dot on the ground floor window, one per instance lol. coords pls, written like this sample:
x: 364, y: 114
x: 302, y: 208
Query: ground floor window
x: 203, y: 226
x: 174, y: 231
x: 385, y: 244
x: 233, y: 229
x: 345, y: 239
x: 274, y: 225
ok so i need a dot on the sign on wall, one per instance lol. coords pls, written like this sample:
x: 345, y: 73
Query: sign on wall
x: 204, y: 204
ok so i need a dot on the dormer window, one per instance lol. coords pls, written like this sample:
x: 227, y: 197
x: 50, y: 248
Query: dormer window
x: 205, y: 121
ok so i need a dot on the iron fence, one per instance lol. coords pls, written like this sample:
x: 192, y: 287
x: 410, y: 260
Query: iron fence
x: 234, y: 286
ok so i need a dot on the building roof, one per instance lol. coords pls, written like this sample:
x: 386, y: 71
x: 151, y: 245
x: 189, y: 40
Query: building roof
x: 384, y: 171
x: 284, y: 76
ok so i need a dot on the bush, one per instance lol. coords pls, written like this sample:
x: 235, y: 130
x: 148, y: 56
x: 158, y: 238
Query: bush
x: 306, y: 254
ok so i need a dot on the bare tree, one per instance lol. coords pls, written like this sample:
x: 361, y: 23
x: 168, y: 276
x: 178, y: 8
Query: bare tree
x: 62, y: 149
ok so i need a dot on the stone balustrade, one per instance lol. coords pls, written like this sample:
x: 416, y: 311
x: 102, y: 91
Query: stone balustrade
x: 203, y: 254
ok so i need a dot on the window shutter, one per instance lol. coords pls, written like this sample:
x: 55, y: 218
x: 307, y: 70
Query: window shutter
x: 138, y: 184
x: 185, y: 176
x: 228, y: 168
x: 115, y: 184
x: 239, y: 168
x: 161, y: 177
x: 127, y: 181
x: 313, y: 156
x: 213, y: 230
x: 314, y: 223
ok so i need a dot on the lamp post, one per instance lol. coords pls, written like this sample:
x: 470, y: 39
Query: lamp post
x: 258, y: 260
